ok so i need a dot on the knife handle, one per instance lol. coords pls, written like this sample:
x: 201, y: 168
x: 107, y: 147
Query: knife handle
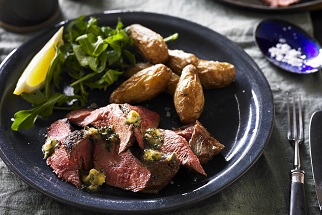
x: 297, y: 198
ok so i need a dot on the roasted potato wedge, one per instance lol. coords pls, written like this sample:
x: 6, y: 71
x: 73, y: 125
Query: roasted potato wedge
x: 143, y: 85
x: 188, y: 97
x: 149, y: 44
x: 178, y: 59
x: 214, y: 74
x: 172, y: 85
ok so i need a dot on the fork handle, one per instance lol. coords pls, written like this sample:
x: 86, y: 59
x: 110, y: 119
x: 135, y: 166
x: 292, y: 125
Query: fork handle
x: 297, y: 198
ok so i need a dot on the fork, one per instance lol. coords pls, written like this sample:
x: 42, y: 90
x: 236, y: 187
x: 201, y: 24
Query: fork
x: 295, y: 136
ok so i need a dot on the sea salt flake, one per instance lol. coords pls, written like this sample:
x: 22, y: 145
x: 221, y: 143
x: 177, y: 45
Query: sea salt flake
x: 283, y: 52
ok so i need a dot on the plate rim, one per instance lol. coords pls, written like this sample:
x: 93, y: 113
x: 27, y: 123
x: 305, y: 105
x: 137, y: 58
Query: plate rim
x: 162, y: 208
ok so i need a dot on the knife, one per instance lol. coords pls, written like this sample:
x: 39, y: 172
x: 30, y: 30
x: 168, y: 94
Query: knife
x: 315, y: 136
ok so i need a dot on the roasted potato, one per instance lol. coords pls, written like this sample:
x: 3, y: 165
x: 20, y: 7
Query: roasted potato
x: 178, y: 59
x: 143, y: 85
x: 188, y: 97
x: 214, y: 74
x: 172, y: 85
x: 149, y: 44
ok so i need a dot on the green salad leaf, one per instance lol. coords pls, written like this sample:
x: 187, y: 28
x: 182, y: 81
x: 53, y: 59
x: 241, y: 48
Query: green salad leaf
x: 92, y: 57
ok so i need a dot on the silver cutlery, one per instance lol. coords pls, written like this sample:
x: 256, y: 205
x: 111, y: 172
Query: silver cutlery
x: 316, y: 151
x: 295, y: 135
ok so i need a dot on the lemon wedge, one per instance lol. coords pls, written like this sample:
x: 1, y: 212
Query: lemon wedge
x: 34, y: 75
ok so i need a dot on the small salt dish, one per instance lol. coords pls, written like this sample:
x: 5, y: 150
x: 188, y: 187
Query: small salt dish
x: 288, y: 46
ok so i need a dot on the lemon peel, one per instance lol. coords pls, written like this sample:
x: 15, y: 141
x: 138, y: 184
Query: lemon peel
x: 34, y: 75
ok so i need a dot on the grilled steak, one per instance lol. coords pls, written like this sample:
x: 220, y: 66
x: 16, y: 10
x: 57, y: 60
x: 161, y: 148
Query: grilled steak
x: 148, y: 119
x: 175, y: 143
x: 167, y: 141
x: 117, y: 115
x: 59, y: 130
x: 111, y: 115
x: 202, y: 143
x: 103, y: 140
x: 77, y: 116
x: 72, y: 157
x: 125, y: 171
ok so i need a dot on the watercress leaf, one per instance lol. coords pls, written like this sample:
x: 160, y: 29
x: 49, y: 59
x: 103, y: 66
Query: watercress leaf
x: 25, y: 119
x: 102, y: 59
x: 114, y: 54
x: 37, y: 97
x: 75, y: 28
x: 106, y: 80
x: 81, y: 56
x: 110, y: 77
x: 92, y: 45
x: 93, y: 28
x: 47, y: 108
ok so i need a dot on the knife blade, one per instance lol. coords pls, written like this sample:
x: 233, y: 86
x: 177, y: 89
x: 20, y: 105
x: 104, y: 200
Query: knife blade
x: 315, y: 136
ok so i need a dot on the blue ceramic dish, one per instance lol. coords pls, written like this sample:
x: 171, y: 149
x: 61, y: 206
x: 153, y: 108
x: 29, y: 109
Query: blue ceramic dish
x: 240, y: 116
x: 288, y: 46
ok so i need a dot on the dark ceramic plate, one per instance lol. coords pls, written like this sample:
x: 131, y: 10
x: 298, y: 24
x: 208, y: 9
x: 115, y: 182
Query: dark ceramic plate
x: 303, y: 5
x: 240, y: 116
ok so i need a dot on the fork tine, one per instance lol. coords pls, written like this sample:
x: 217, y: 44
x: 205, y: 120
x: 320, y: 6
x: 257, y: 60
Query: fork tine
x: 288, y: 118
x: 294, y: 120
x: 300, y: 137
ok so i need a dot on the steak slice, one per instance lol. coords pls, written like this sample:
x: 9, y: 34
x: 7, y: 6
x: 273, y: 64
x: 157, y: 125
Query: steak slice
x: 59, y: 130
x: 56, y: 135
x: 77, y: 116
x: 124, y: 170
x: 111, y: 114
x: 202, y: 143
x: 172, y: 142
x: 149, y: 119
x: 72, y: 157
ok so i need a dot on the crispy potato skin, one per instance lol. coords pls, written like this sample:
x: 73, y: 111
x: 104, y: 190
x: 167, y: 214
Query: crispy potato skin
x: 149, y: 44
x: 143, y: 85
x: 172, y: 84
x: 188, y: 97
x: 178, y: 59
x: 214, y: 74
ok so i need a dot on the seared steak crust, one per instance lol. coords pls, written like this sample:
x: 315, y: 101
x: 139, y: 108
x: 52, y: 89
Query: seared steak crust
x: 72, y: 157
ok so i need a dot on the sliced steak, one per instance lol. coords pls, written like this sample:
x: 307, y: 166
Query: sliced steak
x: 112, y: 115
x: 167, y: 141
x: 126, y: 171
x: 59, y: 130
x: 149, y: 119
x: 72, y: 157
x: 77, y: 116
x: 56, y: 135
x: 202, y: 143
x: 162, y: 171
